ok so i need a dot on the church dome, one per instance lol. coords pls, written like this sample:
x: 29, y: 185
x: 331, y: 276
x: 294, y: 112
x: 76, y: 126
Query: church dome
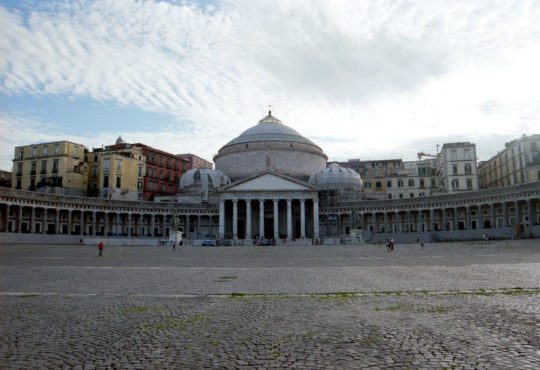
x: 270, y: 145
x: 203, y: 179
x: 269, y: 129
x: 336, y: 177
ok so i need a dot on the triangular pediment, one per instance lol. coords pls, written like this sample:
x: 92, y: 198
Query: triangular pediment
x: 268, y: 181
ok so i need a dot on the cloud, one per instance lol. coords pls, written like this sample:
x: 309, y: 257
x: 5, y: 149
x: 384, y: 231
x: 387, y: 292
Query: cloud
x: 364, y: 78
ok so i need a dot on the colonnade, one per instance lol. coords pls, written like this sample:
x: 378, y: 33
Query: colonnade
x: 255, y: 214
x: 491, y: 215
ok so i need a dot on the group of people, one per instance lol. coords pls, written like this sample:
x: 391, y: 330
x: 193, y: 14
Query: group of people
x: 390, y: 244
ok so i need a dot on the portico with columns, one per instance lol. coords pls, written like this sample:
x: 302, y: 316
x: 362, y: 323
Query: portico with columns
x: 268, y: 205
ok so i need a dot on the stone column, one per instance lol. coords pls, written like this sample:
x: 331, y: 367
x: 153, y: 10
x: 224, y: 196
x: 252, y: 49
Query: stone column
x: 44, y: 226
x: 164, y: 226
x: 505, y: 214
x: 248, y: 219
x: 33, y: 216
x: 140, y: 224
x: 443, y: 217
x: 385, y: 214
x: 289, y: 219
x: 374, y: 221
x: 57, y: 223
x: 493, y: 223
x: 316, y: 218
x: 398, y: 222
x: 455, y: 218
x: 261, y: 218
x: 432, y: 219
x: 532, y: 211
x: 518, y: 212
x: 69, y: 223
x: 276, y: 219
x: 480, y: 217
x: 468, y: 217
x: 81, y: 227
x: 221, y: 219
x: 93, y: 223
x: 419, y: 221
x: 19, y: 220
x: 235, y: 218
x: 152, y: 224
x: 303, y: 218
x: 129, y: 224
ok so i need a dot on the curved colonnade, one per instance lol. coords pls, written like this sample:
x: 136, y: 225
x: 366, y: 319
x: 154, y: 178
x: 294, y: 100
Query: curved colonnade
x: 492, y: 209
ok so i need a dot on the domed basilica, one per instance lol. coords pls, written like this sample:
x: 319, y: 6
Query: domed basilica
x: 267, y: 183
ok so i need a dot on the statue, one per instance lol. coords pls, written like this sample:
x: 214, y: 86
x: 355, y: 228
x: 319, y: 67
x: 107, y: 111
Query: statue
x: 355, y: 220
x: 175, y: 222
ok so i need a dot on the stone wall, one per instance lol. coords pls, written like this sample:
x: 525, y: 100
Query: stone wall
x: 300, y: 164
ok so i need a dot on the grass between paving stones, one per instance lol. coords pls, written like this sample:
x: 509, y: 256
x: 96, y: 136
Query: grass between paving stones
x: 347, y: 295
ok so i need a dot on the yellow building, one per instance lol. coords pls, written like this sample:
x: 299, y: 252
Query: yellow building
x: 518, y: 163
x: 117, y: 172
x: 56, y: 167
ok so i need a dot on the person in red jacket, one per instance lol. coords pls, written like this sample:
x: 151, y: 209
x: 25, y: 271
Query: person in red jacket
x: 100, y: 247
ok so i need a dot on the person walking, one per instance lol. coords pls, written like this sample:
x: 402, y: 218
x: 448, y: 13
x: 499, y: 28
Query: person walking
x: 100, y: 247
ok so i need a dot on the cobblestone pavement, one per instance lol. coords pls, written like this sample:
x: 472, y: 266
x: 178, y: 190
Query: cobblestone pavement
x: 447, y: 306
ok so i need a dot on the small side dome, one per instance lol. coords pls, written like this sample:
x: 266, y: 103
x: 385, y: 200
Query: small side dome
x: 120, y: 140
x: 336, y: 177
x: 204, y: 177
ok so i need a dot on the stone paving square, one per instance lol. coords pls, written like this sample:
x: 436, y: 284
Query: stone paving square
x: 449, y: 305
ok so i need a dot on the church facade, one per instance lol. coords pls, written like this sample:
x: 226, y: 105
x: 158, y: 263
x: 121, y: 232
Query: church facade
x: 270, y: 182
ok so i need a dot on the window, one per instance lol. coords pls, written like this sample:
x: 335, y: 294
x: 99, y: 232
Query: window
x: 469, y: 184
x: 400, y: 195
x: 106, y: 164
x: 389, y: 184
x: 56, y: 149
x: 139, y: 185
x: 118, y: 182
x: 378, y: 185
x: 389, y: 196
x: 18, y: 184
x: 467, y: 154
x: 367, y: 185
x: 411, y: 183
x: 55, y: 165
x: 411, y: 195
x: 118, y: 165
x: 468, y: 169
x: 105, y: 181
x: 21, y: 152
x: 454, y: 169
x: 432, y: 183
x: 422, y: 184
x: 19, y: 169
x: 455, y: 184
x: 32, y: 183
x: 33, y: 168
x: 94, y: 171
x: 34, y: 152
x: 533, y: 146
x: 43, y: 166
x: 421, y: 195
x: 453, y: 155
x: 400, y: 183
x: 139, y: 172
x: 76, y: 151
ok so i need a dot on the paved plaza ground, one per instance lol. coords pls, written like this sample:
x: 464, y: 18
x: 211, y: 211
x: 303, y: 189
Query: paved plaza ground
x: 448, y: 305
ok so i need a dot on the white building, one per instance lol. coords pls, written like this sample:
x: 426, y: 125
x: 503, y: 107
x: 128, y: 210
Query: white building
x: 457, y: 170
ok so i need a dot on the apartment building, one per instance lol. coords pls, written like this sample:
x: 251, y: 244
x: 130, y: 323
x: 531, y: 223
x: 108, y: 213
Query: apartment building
x: 116, y: 172
x: 195, y: 161
x: 55, y: 167
x: 457, y: 170
x: 518, y: 163
x: 416, y: 179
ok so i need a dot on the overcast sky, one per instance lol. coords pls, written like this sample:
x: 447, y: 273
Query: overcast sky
x: 363, y: 79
